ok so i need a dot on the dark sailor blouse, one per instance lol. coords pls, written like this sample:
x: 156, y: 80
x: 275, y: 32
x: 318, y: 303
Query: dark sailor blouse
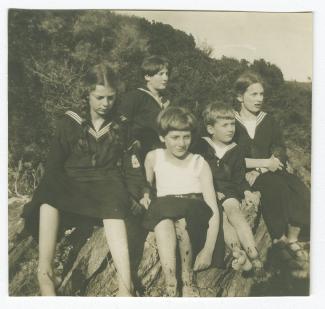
x: 228, y: 171
x: 141, y: 108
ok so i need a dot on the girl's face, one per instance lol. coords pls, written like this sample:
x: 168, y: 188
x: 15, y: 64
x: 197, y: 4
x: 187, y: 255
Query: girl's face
x: 101, y: 100
x: 223, y: 130
x: 252, y: 99
x: 177, y: 143
x: 158, y: 81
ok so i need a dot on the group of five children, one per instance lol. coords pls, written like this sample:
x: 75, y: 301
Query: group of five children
x: 192, y: 189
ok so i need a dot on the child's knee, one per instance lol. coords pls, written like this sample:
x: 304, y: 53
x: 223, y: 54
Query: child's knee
x: 180, y: 227
x: 231, y: 207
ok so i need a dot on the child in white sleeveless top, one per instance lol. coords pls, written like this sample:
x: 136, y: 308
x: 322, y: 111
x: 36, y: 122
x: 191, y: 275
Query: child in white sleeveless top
x: 173, y: 179
x: 185, y: 206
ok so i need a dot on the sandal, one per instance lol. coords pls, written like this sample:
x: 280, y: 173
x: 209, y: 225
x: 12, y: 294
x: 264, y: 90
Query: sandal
x: 297, y: 251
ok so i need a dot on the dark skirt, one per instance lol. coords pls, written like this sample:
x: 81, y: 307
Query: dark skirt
x: 285, y: 199
x: 197, y: 215
x: 79, y: 202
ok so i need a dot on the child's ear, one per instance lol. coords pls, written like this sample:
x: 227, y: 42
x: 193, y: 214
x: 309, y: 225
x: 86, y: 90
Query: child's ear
x: 162, y: 139
x: 240, y: 98
x: 210, y: 129
x: 147, y: 78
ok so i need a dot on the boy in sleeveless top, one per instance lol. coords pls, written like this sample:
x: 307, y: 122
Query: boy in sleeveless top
x: 186, y: 203
x: 227, y: 164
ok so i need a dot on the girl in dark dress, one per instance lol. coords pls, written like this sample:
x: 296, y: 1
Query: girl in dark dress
x: 285, y: 200
x: 142, y: 106
x: 84, y: 178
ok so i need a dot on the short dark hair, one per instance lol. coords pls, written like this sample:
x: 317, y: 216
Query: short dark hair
x: 217, y: 110
x: 176, y: 119
x: 153, y: 64
x: 245, y: 80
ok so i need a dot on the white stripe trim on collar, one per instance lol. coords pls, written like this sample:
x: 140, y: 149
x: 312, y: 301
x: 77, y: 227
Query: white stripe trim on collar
x: 74, y: 116
x: 224, y: 150
x: 237, y: 116
x: 91, y: 131
x: 259, y: 118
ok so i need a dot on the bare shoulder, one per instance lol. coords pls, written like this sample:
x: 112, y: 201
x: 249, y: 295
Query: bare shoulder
x: 150, y: 157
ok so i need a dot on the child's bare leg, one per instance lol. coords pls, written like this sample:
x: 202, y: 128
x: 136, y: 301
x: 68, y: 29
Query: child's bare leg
x: 237, y: 220
x: 116, y: 236
x: 166, y: 243
x: 48, y: 230
x: 186, y: 255
x: 185, y: 250
x: 240, y: 260
x: 230, y: 235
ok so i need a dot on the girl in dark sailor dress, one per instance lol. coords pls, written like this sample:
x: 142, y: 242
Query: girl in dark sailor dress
x: 285, y: 200
x: 83, y: 178
x: 142, y: 106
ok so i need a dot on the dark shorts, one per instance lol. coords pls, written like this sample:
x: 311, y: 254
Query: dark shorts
x: 197, y: 215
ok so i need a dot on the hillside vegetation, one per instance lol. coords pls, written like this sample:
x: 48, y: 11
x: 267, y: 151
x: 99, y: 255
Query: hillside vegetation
x: 49, y: 50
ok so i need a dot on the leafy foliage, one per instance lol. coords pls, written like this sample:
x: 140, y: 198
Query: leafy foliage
x: 49, y: 50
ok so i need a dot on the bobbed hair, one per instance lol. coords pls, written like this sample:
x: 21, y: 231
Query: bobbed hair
x: 153, y: 64
x: 245, y: 80
x: 175, y: 118
x: 217, y: 110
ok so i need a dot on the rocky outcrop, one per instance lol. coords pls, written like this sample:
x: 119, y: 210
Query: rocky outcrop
x: 84, y: 266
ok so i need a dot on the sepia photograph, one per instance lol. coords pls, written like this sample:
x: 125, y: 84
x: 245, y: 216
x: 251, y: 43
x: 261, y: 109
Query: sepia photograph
x: 159, y: 153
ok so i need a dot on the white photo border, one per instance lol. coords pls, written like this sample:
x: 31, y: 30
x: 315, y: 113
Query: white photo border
x: 317, y: 291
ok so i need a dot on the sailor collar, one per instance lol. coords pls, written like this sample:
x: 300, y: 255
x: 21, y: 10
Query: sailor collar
x: 156, y: 98
x: 96, y: 134
x: 259, y: 118
x: 219, y: 152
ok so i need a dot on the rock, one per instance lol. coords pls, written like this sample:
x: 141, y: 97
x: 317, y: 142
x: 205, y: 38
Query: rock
x: 85, y: 268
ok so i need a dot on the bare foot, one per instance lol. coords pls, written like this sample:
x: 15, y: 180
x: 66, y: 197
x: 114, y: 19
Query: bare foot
x: 124, y: 293
x: 46, y: 283
x: 240, y: 261
x: 171, y: 290
x: 258, y: 270
x: 190, y: 291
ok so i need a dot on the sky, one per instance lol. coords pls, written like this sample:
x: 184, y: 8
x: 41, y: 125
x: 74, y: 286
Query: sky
x: 284, y: 39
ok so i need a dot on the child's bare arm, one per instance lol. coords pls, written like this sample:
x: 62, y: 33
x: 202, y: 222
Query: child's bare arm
x: 204, y: 258
x: 271, y: 164
x: 148, y: 165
